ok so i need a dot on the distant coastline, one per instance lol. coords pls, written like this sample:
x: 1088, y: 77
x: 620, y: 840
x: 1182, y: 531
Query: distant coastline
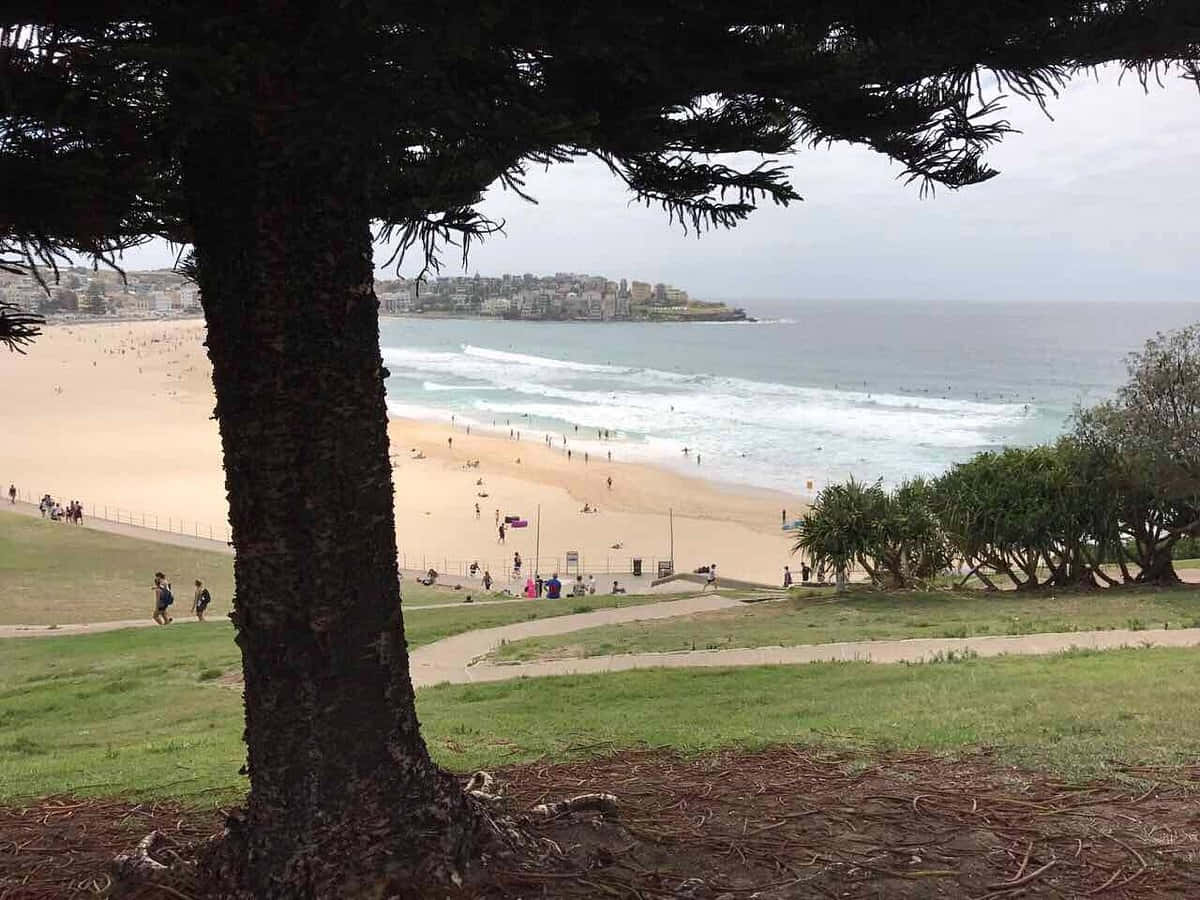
x: 83, y: 295
x: 722, y: 314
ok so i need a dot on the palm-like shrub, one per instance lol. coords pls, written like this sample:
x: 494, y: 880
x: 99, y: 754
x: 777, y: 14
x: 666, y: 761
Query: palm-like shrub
x: 894, y: 537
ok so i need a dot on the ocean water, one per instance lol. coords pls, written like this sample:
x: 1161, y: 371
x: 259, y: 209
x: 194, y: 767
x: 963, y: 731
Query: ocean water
x: 812, y: 392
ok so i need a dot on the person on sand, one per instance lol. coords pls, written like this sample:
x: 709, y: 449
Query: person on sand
x: 783, y: 516
x: 487, y: 580
x: 163, y: 598
x: 450, y: 442
x: 501, y: 529
x: 201, y: 600
x: 787, y: 577
x: 497, y: 522
x: 12, y: 493
x: 477, y: 510
x: 553, y: 587
x: 711, y: 581
x: 609, y: 479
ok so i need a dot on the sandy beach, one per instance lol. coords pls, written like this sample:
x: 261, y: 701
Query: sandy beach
x: 118, y: 416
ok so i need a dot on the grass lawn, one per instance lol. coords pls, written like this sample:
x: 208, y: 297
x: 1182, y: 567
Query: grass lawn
x: 142, y: 712
x: 871, y: 615
x: 139, y: 709
x: 54, y: 574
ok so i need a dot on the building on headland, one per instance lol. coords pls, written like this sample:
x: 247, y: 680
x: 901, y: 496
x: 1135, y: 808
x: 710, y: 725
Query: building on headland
x: 640, y: 292
x: 561, y: 296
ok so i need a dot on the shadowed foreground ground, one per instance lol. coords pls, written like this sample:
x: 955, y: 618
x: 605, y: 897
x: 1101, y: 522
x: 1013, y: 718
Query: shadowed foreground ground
x: 779, y: 823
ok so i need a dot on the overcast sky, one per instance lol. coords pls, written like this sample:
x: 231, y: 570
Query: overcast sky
x: 1099, y: 204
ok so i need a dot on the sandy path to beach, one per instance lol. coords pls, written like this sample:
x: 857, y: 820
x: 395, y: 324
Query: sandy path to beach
x: 118, y: 415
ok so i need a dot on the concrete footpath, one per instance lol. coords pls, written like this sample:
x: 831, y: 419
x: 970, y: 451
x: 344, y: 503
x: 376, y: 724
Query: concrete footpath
x: 459, y: 671
x: 22, y: 631
x: 140, y: 532
x: 449, y: 659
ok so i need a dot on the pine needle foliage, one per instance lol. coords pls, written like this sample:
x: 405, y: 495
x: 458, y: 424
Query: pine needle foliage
x: 99, y: 100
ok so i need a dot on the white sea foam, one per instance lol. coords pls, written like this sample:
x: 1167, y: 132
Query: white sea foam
x: 754, y: 430
x: 524, y: 359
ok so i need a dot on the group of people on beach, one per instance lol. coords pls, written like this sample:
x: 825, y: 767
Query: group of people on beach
x: 536, y: 587
x: 553, y: 587
x: 164, y: 598
x: 53, y: 510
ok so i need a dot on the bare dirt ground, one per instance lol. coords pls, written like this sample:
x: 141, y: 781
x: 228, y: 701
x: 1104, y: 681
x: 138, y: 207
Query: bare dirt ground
x: 781, y: 823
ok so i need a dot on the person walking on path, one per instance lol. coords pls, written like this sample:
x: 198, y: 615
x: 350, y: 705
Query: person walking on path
x: 163, y: 598
x: 201, y: 600
x: 12, y: 493
x: 711, y: 581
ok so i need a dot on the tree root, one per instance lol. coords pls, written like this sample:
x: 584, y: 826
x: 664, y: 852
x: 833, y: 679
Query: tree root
x: 140, y: 865
x: 500, y: 834
x: 479, y: 786
x: 605, y: 804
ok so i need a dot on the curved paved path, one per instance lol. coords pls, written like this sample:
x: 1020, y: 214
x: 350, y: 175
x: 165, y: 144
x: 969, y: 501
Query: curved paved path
x: 448, y: 659
x: 895, y: 651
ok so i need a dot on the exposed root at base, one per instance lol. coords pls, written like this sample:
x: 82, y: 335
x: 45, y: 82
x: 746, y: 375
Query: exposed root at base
x: 605, y: 804
x: 142, y: 866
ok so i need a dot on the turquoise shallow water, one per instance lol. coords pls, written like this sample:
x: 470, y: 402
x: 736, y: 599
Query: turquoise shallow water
x: 816, y: 390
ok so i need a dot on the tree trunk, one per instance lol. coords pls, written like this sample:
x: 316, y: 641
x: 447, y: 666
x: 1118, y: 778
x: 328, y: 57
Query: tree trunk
x: 344, y: 799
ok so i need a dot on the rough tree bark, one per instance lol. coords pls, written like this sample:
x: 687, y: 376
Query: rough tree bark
x: 344, y: 799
